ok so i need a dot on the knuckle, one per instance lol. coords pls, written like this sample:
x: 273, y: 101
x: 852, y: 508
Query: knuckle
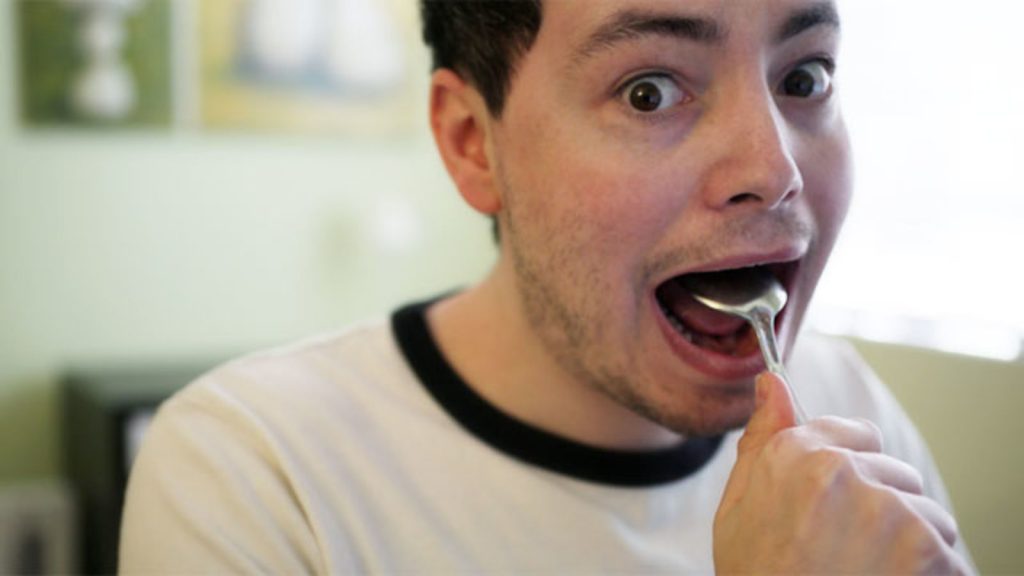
x: 925, y: 543
x: 829, y: 421
x: 830, y: 467
x: 885, y: 507
x: 919, y: 536
x: 915, y: 479
x: 782, y: 442
x: 859, y: 433
x: 915, y: 543
x: 926, y: 554
x: 748, y: 443
x: 825, y: 427
x: 872, y: 433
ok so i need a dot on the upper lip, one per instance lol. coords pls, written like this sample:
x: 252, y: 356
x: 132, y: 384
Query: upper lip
x: 786, y: 257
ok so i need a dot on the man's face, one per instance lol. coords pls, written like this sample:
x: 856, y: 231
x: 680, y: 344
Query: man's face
x: 647, y: 139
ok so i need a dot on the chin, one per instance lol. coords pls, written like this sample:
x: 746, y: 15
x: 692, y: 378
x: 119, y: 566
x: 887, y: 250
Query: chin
x: 713, y: 413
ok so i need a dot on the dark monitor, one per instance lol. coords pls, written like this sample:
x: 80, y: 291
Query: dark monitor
x: 106, y: 411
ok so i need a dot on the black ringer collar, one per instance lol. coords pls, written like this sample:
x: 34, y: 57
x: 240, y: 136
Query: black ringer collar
x: 529, y: 443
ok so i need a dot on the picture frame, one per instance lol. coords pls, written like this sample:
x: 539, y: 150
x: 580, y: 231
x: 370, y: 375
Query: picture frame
x: 308, y: 66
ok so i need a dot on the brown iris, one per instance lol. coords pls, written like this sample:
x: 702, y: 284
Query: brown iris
x: 645, y: 96
x: 799, y: 83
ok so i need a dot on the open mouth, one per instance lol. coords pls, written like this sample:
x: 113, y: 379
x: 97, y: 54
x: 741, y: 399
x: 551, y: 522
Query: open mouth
x: 711, y: 331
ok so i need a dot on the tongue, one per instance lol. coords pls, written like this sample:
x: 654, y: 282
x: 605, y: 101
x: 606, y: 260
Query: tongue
x: 697, y: 316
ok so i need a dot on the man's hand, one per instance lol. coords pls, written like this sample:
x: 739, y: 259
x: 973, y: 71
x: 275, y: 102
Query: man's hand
x: 822, y: 498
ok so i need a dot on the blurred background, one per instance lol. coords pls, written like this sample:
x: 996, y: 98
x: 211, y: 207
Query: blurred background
x: 182, y: 181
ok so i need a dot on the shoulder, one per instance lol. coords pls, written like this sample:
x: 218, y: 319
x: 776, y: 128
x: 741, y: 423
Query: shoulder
x: 276, y: 400
x: 831, y: 378
x: 327, y: 373
x: 349, y: 353
x: 307, y: 410
x: 237, y: 460
x: 288, y: 410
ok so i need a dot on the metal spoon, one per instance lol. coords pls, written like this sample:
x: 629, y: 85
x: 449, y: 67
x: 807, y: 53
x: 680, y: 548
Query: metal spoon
x: 754, y: 295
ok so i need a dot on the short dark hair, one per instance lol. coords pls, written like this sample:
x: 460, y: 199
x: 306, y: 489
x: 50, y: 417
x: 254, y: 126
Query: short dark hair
x: 481, y: 40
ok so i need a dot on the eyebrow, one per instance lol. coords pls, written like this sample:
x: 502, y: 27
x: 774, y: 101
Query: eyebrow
x: 821, y: 14
x: 631, y: 25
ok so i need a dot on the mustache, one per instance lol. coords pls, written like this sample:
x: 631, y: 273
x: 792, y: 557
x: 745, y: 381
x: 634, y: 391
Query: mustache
x: 752, y: 233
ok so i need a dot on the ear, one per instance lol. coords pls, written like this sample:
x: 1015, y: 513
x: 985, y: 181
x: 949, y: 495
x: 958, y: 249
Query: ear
x: 460, y: 121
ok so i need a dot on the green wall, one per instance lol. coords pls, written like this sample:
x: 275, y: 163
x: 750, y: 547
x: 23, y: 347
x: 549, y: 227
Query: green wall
x: 968, y: 410
x: 171, y: 244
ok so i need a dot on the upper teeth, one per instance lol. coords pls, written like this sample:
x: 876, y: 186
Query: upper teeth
x: 679, y: 326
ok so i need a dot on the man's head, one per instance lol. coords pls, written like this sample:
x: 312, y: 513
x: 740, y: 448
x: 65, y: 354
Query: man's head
x: 638, y: 141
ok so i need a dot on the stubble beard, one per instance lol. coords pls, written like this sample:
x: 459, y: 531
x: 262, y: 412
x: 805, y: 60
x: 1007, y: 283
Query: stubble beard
x: 570, y: 328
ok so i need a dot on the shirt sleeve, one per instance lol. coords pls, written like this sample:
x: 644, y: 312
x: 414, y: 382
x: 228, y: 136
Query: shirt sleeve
x: 207, y: 495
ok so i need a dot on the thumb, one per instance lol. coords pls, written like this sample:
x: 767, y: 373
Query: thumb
x: 773, y: 412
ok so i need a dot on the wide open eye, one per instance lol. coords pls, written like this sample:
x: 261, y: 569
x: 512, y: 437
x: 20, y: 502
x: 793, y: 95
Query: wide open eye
x: 652, y: 93
x: 808, y: 80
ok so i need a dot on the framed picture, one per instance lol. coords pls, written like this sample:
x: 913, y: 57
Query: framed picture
x: 94, y: 62
x: 309, y: 66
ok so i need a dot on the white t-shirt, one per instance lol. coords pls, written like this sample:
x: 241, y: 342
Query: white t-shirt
x: 363, y: 452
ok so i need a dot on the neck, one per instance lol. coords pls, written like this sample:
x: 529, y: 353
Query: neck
x: 485, y: 335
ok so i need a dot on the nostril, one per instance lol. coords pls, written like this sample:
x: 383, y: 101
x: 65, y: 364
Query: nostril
x: 754, y: 198
x: 744, y: 198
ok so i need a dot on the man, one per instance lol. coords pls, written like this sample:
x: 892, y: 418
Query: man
x: 572, y: 412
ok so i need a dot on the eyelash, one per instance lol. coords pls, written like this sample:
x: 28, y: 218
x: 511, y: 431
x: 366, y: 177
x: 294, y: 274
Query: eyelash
x: 827, y: 61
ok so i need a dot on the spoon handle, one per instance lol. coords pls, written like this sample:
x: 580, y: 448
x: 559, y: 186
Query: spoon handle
x: 763, y: 322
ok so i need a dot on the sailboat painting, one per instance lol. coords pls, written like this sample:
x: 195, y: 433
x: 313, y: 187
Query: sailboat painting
x: 94, y: 64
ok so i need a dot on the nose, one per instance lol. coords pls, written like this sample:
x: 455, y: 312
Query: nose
x: 752, y: 163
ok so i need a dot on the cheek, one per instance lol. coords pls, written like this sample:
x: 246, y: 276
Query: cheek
x: 610, y: 200
x: 836, y: 203
x: 621, y: 213
x: 830, y: 184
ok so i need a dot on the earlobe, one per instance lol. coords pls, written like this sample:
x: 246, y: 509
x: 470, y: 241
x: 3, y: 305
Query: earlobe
x: 459, y: 121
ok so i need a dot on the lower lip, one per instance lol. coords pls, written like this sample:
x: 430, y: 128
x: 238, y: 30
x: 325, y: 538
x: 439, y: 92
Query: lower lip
x: 718, y: 366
